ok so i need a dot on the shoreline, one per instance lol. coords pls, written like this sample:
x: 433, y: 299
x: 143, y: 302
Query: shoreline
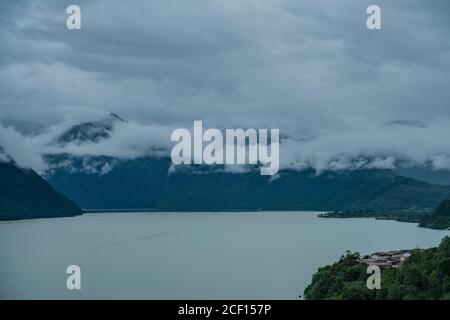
x: 412, y: 218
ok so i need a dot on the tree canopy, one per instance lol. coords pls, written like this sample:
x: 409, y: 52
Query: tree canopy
x: 424, y: 275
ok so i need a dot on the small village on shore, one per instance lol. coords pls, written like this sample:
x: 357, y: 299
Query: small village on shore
x: 388, y: 259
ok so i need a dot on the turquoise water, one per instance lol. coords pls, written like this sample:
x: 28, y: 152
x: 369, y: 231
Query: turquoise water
x: 254, y: 255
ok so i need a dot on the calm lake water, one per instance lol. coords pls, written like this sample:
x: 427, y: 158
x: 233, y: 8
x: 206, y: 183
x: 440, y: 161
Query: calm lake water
x: 260, y: 255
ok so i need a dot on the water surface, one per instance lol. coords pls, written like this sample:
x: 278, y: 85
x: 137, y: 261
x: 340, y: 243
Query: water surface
x: 254, y: 255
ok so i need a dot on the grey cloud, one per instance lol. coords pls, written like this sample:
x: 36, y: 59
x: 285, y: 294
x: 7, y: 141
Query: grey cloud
x: 310, y: 68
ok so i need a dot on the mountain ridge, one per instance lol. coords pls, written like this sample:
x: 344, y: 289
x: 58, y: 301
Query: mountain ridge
x: 151, y: 182
x: 101, y: 182
x: 26, y: 195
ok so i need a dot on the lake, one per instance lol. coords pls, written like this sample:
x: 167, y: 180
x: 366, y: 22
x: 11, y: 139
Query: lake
x: 239, y: 255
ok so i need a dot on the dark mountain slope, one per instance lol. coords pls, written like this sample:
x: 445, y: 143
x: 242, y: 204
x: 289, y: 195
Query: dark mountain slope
x: 148, y: 183
x: 439, y: 219
x: 443, y: 209
x: 151, y: 182
x: 426, y: 174
x: 405, y: 193
x: 25, y: 195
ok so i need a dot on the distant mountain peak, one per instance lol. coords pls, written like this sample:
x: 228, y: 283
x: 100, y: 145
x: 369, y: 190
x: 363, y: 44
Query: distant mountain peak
x: 92, y: 131
x: 116, y: 117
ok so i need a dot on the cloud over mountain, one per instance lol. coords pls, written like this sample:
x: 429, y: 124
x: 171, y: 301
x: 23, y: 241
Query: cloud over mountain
x: 343, y: 96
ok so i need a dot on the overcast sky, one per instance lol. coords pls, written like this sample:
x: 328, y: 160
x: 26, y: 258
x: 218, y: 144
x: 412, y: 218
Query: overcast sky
x: 340, y: 92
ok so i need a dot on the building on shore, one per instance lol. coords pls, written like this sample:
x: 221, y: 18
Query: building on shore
x: 389, y: 259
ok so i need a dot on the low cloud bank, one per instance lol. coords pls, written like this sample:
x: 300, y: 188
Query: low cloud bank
x: 359, y: 145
